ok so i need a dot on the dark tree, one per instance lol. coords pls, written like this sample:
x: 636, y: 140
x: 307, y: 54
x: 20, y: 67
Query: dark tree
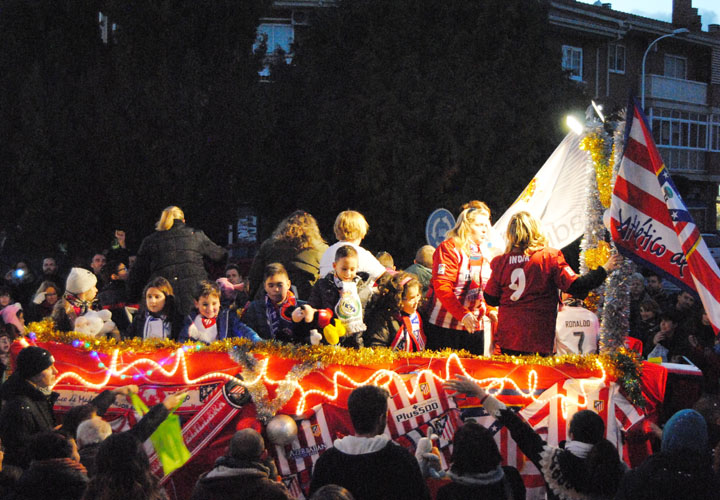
x: 398, y: 108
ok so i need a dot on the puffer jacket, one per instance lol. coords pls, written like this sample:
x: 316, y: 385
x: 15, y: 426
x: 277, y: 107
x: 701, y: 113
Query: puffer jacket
x: 176, y: 255
x: 25, y: 411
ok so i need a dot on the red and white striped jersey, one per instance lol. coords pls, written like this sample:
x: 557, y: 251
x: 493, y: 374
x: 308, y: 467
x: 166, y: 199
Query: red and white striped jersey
x: 456, y: 287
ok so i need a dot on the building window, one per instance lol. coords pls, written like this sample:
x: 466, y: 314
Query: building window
x: 616, y: 58
x: 572, y: 61
x: 714, y: 132
x: 278, y: 37
x: 682, y: 137
x: 675, y: 67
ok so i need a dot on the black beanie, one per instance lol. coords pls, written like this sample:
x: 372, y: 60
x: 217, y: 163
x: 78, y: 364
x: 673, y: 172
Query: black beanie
x: 32, y: 360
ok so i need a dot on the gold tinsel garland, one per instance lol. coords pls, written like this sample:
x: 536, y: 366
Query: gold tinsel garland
x: 595, y: 145
x: 596, y: 257
x: 623, y: 365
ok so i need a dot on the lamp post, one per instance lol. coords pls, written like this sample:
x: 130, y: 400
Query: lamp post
x: 678, y: 31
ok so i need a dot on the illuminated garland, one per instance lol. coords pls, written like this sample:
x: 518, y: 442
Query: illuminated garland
x: 622, y: 365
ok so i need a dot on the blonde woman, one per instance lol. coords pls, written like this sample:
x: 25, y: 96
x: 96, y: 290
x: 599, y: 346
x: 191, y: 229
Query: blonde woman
x: 525, y: 282
x: 174, y: 251
x: 455, y: 295
x: 298, y: 245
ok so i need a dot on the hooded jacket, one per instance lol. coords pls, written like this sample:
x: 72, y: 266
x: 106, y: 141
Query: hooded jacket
x: 373, y: 468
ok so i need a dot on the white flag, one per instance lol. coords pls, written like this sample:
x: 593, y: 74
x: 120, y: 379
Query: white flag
x: 556, y: 196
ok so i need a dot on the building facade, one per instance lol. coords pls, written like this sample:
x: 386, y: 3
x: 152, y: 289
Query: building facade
x: 603, y: 51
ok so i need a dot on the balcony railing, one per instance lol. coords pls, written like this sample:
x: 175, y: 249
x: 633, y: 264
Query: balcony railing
x: 675, y: 89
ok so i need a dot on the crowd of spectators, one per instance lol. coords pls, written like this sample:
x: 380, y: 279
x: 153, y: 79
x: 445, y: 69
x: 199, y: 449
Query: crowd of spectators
x: 301, y: 290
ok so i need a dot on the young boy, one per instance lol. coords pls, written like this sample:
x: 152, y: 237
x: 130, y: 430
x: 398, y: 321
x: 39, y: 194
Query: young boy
x: 267, y: 316
x: 211, y: 322
x: 666, y: 343
x: 346, y: 293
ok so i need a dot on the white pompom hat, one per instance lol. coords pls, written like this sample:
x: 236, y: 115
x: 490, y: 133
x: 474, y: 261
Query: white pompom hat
x: 80, y: 280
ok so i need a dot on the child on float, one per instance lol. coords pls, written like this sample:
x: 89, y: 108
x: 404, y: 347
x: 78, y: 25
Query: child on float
x: 525, y: 282
x: 350, y: 228
x: 79, y: 297
x: 210, y: 322
x: 271, y: 316
x: 392, y: 318
x: 157, y: 317
x: 345, y: 293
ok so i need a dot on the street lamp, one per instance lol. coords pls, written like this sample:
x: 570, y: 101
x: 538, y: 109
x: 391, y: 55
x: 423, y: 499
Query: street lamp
x: 678, y: 31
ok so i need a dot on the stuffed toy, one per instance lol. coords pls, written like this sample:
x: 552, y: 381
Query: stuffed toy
x: 428, y: 457
x: 95, y: 323
x: 320, y: 319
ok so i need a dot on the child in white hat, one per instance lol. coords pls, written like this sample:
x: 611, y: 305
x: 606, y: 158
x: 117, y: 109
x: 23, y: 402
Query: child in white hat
x: 79, y: 298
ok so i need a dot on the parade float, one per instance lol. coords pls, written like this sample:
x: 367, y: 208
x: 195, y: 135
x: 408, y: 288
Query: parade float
x: 296, y: 395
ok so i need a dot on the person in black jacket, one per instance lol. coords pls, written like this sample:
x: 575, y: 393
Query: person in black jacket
x: 175, y: 252
x: 477, y: 471
x: 368, y: 463
x: 27, y: 402
x: 55, y: 470
x: 587, y: 466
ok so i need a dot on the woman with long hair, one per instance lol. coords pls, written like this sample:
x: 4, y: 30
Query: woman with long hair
x: 298, y: 245
x: 123, y: 472
x: 455, y: 297
x: 525, y: 282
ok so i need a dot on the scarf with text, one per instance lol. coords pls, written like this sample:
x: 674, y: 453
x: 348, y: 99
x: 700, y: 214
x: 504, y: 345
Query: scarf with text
x: 410, y: 336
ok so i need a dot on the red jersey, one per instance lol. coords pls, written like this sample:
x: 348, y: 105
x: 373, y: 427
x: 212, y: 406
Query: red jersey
x: 527, y: 286
x: 456, y: 286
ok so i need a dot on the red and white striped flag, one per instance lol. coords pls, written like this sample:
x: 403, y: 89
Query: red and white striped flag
x: 650, y: 223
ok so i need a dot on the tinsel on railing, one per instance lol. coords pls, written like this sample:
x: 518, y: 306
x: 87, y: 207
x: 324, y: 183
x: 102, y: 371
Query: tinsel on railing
x: 622, y: 365
x: 615, y: 317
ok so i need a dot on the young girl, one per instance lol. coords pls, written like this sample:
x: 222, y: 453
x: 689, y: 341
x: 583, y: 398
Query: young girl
x: 210, y: 322
x: 392, y: 319
x: 524, y: 283
x: 456, y: 303
x: 156, y: 318
x: 79, y: 298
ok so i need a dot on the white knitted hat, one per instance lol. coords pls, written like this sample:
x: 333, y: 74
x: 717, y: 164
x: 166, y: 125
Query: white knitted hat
x: 80, y: 280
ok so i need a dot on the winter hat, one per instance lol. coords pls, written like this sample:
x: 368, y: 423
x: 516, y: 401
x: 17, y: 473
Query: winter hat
x: 32, y: 360
x: 80, y: 280
x: 685, y: 430
x: 9, y: 316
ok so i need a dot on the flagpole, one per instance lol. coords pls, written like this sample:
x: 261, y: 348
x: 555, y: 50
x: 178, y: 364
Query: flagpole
x: 678, y: 31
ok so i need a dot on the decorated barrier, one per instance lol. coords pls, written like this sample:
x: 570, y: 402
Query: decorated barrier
x: 297, y: 395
